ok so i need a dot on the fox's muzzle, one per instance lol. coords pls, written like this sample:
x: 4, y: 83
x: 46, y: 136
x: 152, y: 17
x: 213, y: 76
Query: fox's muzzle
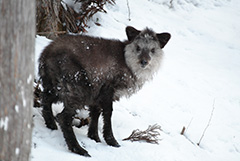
x: 144, y: 58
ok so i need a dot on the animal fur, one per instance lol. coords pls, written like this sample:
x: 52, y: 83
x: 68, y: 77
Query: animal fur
x: 88, y: 71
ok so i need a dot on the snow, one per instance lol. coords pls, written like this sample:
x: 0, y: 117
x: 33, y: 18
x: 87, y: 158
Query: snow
x: 23, y: 98
x: 17, y: 150
x: 4, y: 123
x: 198, y: 86
x: 16, y: 108
x: 29, y: 79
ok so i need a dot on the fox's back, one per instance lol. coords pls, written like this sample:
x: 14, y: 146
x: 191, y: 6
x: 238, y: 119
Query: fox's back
x: 85, y: 61
x: 95, y: 55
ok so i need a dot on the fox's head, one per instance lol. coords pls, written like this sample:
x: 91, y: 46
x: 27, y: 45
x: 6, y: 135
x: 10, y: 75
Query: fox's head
x: 144, y: 51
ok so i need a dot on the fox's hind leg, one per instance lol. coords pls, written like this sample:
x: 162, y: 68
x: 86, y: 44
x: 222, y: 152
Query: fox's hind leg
x: 48, y: 97
x: 65, y: 119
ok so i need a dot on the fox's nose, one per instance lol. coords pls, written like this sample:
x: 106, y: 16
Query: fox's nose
x: 143, y: 63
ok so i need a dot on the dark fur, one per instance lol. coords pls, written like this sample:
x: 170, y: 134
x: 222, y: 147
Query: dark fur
x: 82, y: 70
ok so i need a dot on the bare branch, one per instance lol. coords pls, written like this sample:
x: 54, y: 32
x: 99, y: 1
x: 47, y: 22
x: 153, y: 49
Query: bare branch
x: 209, y: 121
x: 129, y: 12
x: 150, y: 135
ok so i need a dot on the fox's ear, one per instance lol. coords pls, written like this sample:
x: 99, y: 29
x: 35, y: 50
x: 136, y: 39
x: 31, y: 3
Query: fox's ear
x: 163, y: 38
x: 131, y: 32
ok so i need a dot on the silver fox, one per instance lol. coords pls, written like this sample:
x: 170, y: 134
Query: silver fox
x: 88, y: 71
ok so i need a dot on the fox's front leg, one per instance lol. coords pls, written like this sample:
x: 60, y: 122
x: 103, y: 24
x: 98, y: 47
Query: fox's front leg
x: 106, y: 104
x: 95, y: 112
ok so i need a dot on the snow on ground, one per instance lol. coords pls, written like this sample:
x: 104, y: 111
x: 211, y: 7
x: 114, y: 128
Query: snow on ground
x: 199, y: 79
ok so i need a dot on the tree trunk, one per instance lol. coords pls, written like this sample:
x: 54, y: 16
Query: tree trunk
x: 48, y: 18
x: 17, y: 40
x: 55, y: 17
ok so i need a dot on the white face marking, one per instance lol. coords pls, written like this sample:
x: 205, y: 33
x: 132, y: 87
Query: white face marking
x: 133, y: 53
x: 133, y: 58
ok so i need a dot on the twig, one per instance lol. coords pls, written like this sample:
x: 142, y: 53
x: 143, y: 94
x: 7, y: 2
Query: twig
x: 129, y: 12
x: 189, y: 123
x: 209, y: 121
x: 150, y: 135
x: 183, y: 130
x: 83, y: 121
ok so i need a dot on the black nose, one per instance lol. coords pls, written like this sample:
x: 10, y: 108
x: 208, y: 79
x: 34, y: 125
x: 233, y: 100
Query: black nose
x: 143, y: 63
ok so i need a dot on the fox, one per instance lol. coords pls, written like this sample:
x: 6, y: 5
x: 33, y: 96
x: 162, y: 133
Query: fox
x: 81, y: 70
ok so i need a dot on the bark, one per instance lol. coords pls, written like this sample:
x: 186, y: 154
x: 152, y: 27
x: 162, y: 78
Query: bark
x: 48, y: 18
x: 17, y: 31
x: 54, y: 17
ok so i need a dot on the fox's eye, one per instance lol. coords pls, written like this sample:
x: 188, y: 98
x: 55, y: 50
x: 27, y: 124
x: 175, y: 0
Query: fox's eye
x: 153, y: 50
x: 138, y: 48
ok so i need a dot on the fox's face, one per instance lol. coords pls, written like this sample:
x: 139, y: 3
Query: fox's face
x: 144, y: 53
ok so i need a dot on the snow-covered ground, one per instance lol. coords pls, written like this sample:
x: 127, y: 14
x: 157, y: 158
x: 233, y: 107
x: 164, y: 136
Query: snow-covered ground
x: 198, y: 86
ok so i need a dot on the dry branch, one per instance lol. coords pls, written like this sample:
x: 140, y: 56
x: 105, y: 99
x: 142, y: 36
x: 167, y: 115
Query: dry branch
x: 209, y: 121
x: 55, y: 17
x: 83, y: 121
x: 89, y: 8
x: 183, y: 130
x: 129, y: 12
x: 150, y: 135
